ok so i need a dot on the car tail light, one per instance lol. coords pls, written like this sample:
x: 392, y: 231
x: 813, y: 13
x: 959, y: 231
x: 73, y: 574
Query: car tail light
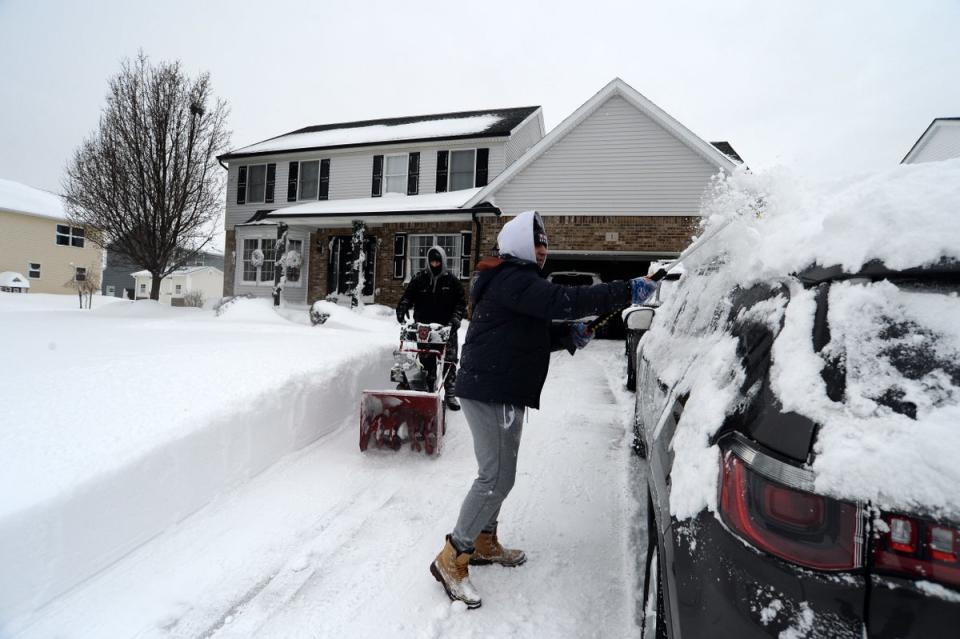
x: 918, y: 548
x: 798, y: 526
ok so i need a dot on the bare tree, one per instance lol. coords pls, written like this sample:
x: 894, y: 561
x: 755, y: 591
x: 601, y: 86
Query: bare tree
x: 86, y: 282
x: 146, y: 184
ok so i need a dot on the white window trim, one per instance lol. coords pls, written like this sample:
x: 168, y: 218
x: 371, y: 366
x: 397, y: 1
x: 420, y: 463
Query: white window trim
x: 264, y: 235
x: 111, y: 291
x: 271, y: 234
x: 450, y: 170
x: 411, y: 270
x: 406, y: 173
x: 30, y: 270
x: 70, y: 236
x: 300, y: 197
x: 246, y: 195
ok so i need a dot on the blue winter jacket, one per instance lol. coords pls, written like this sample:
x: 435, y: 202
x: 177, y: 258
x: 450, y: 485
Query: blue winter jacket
x: 506, y: 354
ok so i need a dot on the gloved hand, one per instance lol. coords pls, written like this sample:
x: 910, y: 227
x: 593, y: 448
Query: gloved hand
x: 402, y: 312
x: 641, y: 288
x: 581, y: 334
x: 454, y: 323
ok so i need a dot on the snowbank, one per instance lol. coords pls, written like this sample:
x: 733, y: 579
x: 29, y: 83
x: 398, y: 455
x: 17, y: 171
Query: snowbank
x: 778, y: 225
x: 121, y: 421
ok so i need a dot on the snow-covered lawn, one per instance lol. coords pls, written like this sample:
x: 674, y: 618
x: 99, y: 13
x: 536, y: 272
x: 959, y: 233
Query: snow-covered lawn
x: 208, y: 468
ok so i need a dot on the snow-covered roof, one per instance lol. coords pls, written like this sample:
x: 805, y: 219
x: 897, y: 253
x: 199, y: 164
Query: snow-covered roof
x: 11, y: 278
x: 440, y: 126
x: 21, y: 198
x: 929, y: 148
x: 708, y: 151
x: 187, y: 270
x: 391, y: 205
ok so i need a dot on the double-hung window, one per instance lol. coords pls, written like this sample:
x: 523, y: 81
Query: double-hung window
x: 420, y: 244
x: 34, y: 271
x: 80, y: 274
x: 395, y: 173
x: 69, y: 235
x: 309, y: 180
x: 256, y: 183
x: 462, y: 165
x: 256, y: 271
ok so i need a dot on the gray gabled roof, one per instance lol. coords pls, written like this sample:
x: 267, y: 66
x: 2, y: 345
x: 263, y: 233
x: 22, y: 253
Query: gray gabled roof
x: 405, y: 130
x: 708, y: 151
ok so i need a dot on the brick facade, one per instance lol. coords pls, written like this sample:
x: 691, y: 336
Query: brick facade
x: 388, y: 288
x: 667, y: 234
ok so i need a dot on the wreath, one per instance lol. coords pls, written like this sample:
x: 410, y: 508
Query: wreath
x: 256, y: 258
x: 292, y: 259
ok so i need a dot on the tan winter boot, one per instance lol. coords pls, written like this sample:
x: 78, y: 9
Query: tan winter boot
x: 489, y: 551
x: 452, y: 570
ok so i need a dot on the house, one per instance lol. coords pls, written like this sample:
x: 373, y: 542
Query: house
x: 37, y: 239
x: 618, y: 183
x: 11, y: 282
x: 205, y: 280
x: 941, y: 141
x: 118, y: 278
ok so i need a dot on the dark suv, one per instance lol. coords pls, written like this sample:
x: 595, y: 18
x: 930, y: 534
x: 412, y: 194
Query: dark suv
x: 785, y: 513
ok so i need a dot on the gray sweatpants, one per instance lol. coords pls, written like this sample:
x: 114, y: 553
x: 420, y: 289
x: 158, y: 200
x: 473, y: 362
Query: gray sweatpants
x: 496, y: 430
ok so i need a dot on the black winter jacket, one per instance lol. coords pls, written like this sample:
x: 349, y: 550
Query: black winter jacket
x: 434, y: 299
x: 507, y: 350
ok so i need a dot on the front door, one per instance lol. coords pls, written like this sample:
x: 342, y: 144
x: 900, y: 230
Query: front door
x: 340, y: 272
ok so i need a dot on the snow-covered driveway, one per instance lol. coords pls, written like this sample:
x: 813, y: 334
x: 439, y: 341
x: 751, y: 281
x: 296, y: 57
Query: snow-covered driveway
x: 333, y: 543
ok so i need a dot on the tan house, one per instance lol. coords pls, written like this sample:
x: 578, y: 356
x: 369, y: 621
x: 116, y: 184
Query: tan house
x: 37, y: 241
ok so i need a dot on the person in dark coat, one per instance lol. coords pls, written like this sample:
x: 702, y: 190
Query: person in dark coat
x: 504, y: 364
x: 436, y: 296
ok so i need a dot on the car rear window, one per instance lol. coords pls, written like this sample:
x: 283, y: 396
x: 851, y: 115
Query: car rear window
x: 899, y: 344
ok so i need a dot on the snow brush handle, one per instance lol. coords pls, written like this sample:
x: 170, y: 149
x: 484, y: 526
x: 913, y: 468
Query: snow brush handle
x: 603, y: 319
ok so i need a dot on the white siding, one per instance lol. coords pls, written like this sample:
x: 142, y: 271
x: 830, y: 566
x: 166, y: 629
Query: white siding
x: 351, y: 172
x: 524, y: 137
x: 291, y: 293
x: 617, y: 161
x: 942, y: 143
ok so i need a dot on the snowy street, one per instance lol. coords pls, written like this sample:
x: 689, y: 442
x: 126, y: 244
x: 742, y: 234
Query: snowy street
x: 331, y: 542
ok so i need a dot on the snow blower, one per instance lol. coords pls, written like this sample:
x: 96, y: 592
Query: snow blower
x: 415, y: 411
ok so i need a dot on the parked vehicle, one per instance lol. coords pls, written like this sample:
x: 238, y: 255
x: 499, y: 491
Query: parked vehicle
x: 637, y: 319
x: 800, y: 421
x: 578, y: 278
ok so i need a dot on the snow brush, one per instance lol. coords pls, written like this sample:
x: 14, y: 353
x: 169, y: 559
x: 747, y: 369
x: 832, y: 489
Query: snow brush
x: 663, y: 272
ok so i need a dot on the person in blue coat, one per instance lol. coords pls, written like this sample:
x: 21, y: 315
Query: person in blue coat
x: 503, y: 366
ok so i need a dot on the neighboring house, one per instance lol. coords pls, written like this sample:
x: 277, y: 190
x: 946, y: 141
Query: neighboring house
x: 11, y: 282
x: 941, y: 141
x: 619, y: 183
x: 206, y: 280
x: 118, y: 278
x: 37, y: 240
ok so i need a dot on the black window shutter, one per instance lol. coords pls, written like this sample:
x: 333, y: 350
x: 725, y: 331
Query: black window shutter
x: 324, y: 179
x: 292, y: 178
x: 399, y: 256
x: 271, y: 181
x: 466, y: 251
x: 376, y: 190
x: 442, y: 158
x: 483, y: 157
x: 242, y: 185
x: 413, y: 174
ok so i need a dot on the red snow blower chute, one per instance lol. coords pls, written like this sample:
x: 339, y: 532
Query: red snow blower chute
x: 414, y: 412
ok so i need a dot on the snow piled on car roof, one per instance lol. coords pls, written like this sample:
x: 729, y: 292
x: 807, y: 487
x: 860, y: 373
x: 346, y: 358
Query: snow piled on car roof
x: 894, y: 438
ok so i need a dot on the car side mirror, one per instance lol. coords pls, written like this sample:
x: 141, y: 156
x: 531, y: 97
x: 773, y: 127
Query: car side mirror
x: 640, y: 319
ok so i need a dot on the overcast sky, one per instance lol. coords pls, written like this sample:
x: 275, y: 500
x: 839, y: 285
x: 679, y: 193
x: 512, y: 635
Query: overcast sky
x: 822, y: 87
